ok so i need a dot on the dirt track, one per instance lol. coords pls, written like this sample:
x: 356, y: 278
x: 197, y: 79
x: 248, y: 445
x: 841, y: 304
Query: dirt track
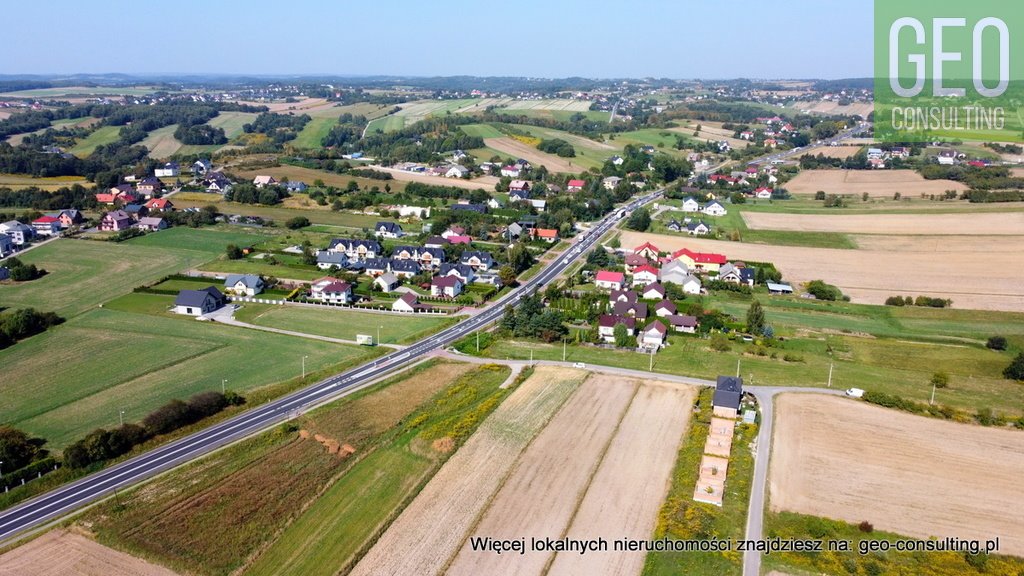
x: 988, y: 223
x: 62, y: 553
x: 985, y: 280
x: 876, y: 183
x: 532, y: 155
x: 540, y: 496
x: 907, y: 474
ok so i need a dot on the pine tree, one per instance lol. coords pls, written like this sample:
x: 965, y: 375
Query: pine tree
x: 755, y: 318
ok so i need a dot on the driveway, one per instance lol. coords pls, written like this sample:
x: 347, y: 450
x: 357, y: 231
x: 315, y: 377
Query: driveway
x: 226, y: 315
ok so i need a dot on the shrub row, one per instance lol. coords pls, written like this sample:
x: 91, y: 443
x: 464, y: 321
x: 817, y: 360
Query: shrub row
x: 984, y: 416
x: 30, y: 472
x: 926, y: 301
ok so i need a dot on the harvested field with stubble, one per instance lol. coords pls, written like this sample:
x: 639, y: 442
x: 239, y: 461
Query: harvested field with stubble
x: 518, y: 149
x: 628, y: 489
x: 984, y: 280
x: 907, y: 474
x: 63, y: 553
x: 908, y: 183
x: 484, y: 182
x: 971, y: 224
x: 540, y: 496
x: 433, y: 527
x: 840, y: 152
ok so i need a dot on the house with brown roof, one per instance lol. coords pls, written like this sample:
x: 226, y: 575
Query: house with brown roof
x: 115, y: 221
x: 606, y: 326
x: 407, y: 302
x: 445, y: 286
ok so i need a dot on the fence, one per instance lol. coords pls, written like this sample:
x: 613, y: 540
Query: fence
x: 306, y: 302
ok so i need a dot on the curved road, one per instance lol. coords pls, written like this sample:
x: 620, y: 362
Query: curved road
x: 52, y: 505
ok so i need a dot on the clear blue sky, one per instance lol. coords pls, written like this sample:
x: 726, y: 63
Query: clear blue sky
x: 552, y: 38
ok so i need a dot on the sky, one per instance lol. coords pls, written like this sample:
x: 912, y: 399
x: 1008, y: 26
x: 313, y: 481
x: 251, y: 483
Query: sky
x: 551, y: 39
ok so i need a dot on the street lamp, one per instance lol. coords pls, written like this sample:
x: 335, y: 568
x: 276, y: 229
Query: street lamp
x: 378, y: 334
x: 223, y: 386
x: 304, y: 367
x: 120, y: 415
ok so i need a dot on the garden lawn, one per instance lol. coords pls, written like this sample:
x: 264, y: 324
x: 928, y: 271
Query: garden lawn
x: 211, y: 240
x: 343, y: 324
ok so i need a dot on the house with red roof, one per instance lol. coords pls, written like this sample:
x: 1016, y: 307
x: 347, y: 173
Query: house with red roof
x: 159, y: 205
x: 644, y: 275
x: 46, y: 225
x: 460, y: 239
x: 702, y: 261
x: 549, y: 235
x: 575, y: 185
x: 123, y: 193
x: 609, y: 280
x: 763, y: 193
x: 647, y: 250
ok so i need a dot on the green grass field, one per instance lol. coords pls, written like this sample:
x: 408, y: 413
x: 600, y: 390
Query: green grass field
x: 280, y: 214
x: 101, y: 136
x: 161, y: 142
x: 79, y: 90
x: 14, y: 181
x: 725, y: 226
x: 83, y: 273
x: 208, y: 240
x: 388, y: 123
x: 257, y: 266
x: 313, y: 133
x: 134, y: 355
x: 343, y: 324
x: 482, y: 130
x: 232, y: 122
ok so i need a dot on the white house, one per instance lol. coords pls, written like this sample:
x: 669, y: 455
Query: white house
x: 333, y: 293
x: 690, y: 204
x: 654, y: 335
x: 714, y: 208
x: 260, y: 181
x: 611, y: 182
x: 46, y: 226
x: 609, y: 280
x: 691, y: 285
x: 607, y: 322
x: 243, y: 284
x: 168, y: 170
x: 18, y: 232
x: 683, y: 323
x: 386, y: 282
x: 457, y: 171
x: 408, y: 302
x: 644, y: 275
x: 198, y: 302
x: 510, y: 171
x: 446, y: 286
x: 388, y: 230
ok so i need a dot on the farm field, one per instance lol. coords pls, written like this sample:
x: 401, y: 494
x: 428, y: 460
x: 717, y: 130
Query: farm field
x: 862, y: 109
x: 310, y: 175
x: 313, y: 133
x: 484, y: 182
x: 101, y: 136
x: 840, y: 152
x: 232, y: 122
x: 80, y: 90
x: 293, y: 478
x: 736, y: 223
x: 177, y: 357
x: 709, y: 131
x: 413, y: 112
x: 460, y: 490
x: 893, y: 469
x: 15, y: 181
x: 61, y: 551
x: 209, y: 240
x: 343, y: 324
x: 161, y: 142
x: 987, y: 281
x: 988, y: 223
x: 83, y: 273
x: 518, y: 149
x: 540, y: 496
x: 277, y: 213
x: 875, y: 183
x: 639, y: 462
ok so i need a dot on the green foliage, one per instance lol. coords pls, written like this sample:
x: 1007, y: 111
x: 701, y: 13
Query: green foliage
x: 622, y: 337
x: 822, y: 291
x: 940, y: 379
x: 297, y: 223
x: 639, y: 220
x: 755, y: 318
x: 21, y: 272
x: 18, y: 449
x: 1015, y: 371
x: 233, y: 252
x: 23, y: 323
x: 720, y: 343
x: 557, y: 146
x: 996, y: 343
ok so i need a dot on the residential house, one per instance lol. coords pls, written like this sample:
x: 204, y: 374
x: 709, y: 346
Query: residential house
x: 458, y: 155
x: 715, y: 208
x: 644, y: 275
x: 691, y: 285
x: 148, y: 187
x: 168, y: 170
x: 494, y: 203
x: 407, y: 302
x: 611, y: 182
x: 606, y: 326
x: 575, y: 185
x: 728, y: 393
x: 763, y: 193
x: 457, y: 171
x: 523, y: 164
x: 388, y: 230
x: 159, y: 205
x: 445, y: 286
x: 123, y: 193
x: 69, y: 218
x: 674, y: 272
x: 462, y: 271
x: 201, y: 167
x: 683, y: 323
x: 665, y: 308
x: 633, y: 261
x: 151, y: 224
x: 243, y: 284
x: 386, y: 282
x: 549, y: 235
x: 6, y: 245
x: 261, y: 181
x: 539, y: 204
x: 218, y: 185
x: 703, y: 261
x: 295, y: 186
x: 115, y: 221
x: 623, y: 296
x: 647, y: 250
x: 637, y: 310
x: 947, y: 157
x: 478, y: 208
x: 616, y: 160
x: 325, y: 259
x: 653, y: 291
x: 778, y: 288
x: 514, y: 230
x: 431, y: 258
x: 653, y: 336
x: 746, y: 135
x: 453, y: 231
x: 697, y: 228
x: 405, y: 268
x: 136, y: 211
x: 690, y: 204
x: 477, y: 260
x: 377, y: 266
x: 46, y: 226
x: 464, y: 240
x: 436, y: 242
x: 198, y: 302
x: 511, y: 171
x: 406, y: 253
x: 337, y: 292
x: 18, y: 233
x: 521, y: 195
x: 519, y: 186
x: 609, y: 280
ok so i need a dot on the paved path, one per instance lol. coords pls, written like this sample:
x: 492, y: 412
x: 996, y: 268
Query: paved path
x: 32, y: 246
x: 225, y: 315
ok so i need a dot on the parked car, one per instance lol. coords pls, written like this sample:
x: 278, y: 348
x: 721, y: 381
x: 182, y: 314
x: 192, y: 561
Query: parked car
x: 855, y: 393
x: 578, y: 365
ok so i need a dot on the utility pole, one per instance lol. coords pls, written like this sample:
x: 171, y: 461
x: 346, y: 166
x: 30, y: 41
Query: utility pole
x: 304, y: 367
x: 932, y: 401
x: 531, y: 357
x: 223, y: 385
x: 563, y: 349
x: 830, y: 365
x: 477, y: 341
x: 378, y: 334
x: 650, y: 365
x: 737, y: 367
x: 120, y: 415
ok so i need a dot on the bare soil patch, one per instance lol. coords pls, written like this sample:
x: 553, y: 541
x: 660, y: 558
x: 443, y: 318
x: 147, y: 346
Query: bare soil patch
x: 841, y: 152
x: 984, y: 280
x: 63, y: 553
x: 629, y: 487
x: 874, y: 182
x: 433, y: 527
x: 907, y: 474
x: 991, y: 223
x: 540, y: 496
x: 532, y: 155
x: 485, y: 182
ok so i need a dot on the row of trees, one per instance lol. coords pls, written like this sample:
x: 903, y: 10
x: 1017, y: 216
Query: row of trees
x: 532, y: 319
x: 22, y: 323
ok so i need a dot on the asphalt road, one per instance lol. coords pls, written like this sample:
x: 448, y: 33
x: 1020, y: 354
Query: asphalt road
x: 52, y: 505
